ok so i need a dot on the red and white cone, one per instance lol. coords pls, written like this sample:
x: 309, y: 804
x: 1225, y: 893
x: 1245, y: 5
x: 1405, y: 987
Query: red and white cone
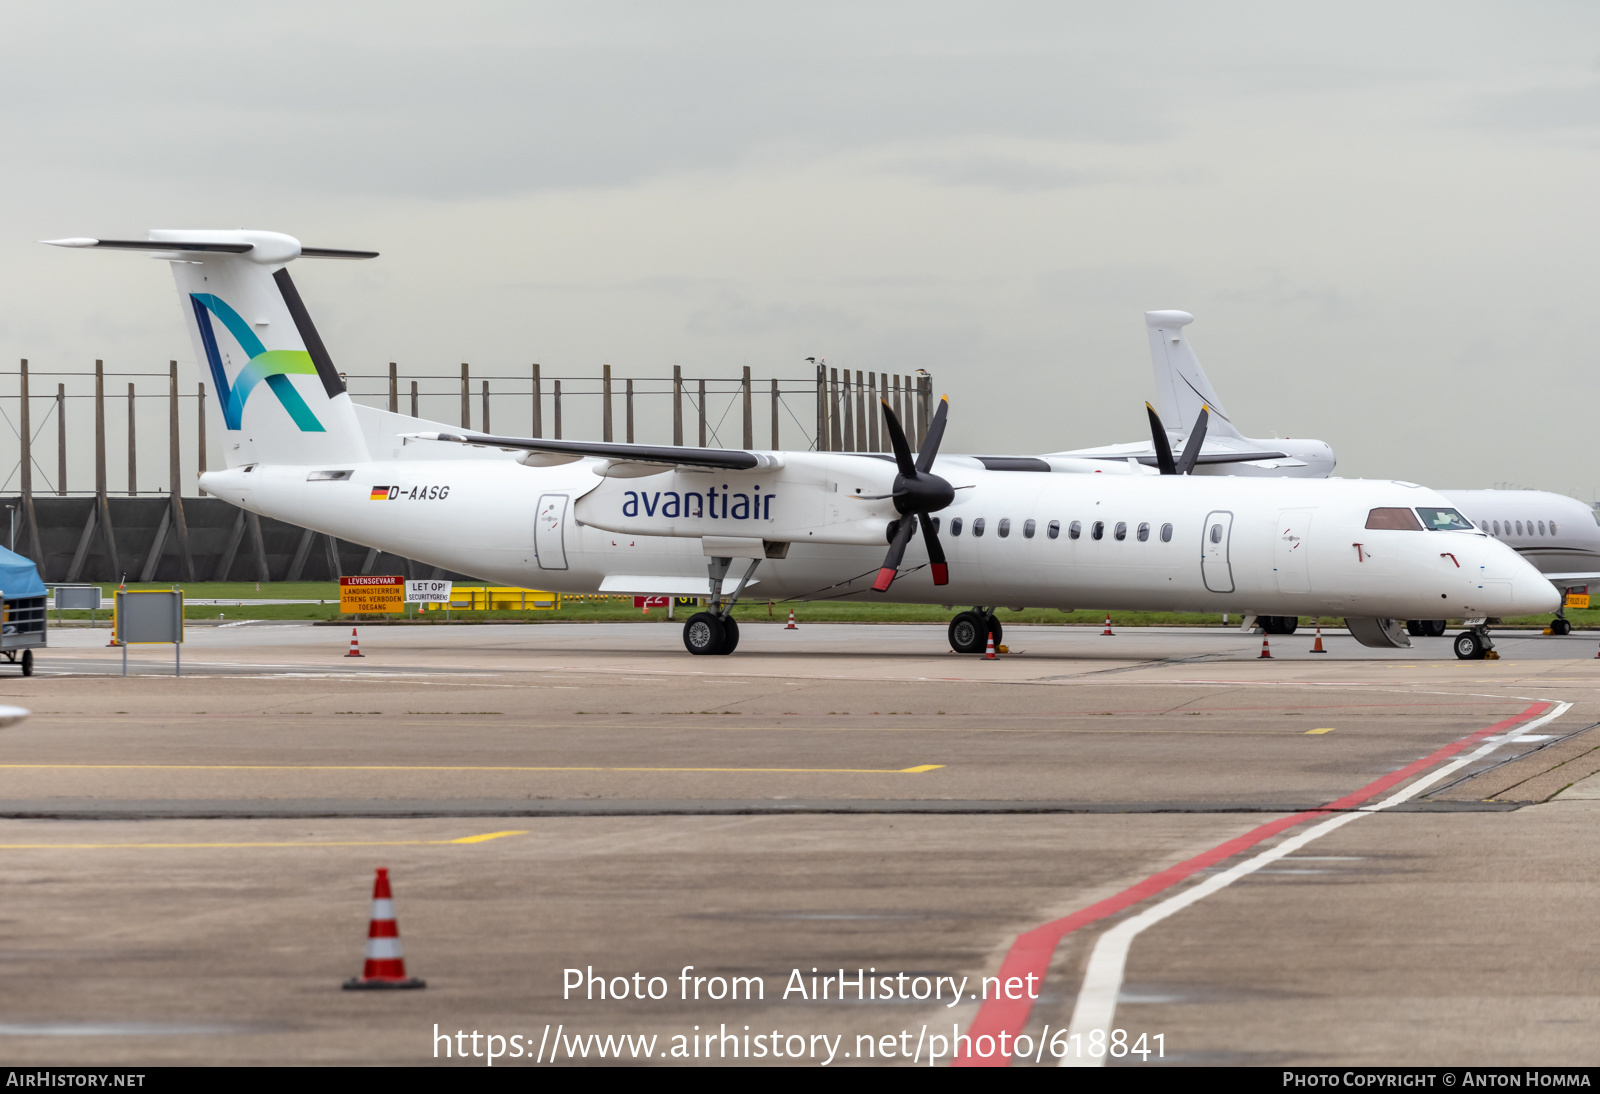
x: 1266, y: 651
x: 385, y: 967
x: 988, y: 653
x: 1107, y: 632
x: 1316, y: 647
x: 791, y: 626
x: 355, y: 646
x: 1597, y: 655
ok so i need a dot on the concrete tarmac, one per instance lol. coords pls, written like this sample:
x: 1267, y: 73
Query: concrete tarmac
x: 187, y: 861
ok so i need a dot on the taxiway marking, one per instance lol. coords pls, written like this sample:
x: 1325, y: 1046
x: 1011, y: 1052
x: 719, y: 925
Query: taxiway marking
x: 483, y: 838
x: 1314, y: 732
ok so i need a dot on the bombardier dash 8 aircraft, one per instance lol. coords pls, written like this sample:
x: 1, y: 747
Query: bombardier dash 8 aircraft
x: 923, y: 527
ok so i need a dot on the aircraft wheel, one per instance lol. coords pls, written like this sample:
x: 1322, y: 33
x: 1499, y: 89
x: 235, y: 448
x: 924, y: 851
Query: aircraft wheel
x: 1469, y: 647
x: 968, y: 634
x: 730, y: 635
x: 1435, y: 628
x: 27, y: 662
x: 996, y: 629
x: 1288, y: 624
x: 1560, y: 626
x: 703, y: 634
x: 1414, y: 627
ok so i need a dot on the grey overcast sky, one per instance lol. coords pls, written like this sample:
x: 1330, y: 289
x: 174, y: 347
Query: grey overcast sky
x: 1381, y: 214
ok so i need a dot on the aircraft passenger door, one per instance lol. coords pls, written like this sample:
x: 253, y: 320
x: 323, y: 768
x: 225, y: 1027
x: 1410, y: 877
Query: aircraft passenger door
x: 1289, y: 551
x: 1215, y: 568
x: 548, y: 527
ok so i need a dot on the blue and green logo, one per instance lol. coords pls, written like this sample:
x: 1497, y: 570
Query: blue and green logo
x: 274, y: 366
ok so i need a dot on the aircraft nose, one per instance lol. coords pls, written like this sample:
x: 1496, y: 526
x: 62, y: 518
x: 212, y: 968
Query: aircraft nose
x: 1533, y: 594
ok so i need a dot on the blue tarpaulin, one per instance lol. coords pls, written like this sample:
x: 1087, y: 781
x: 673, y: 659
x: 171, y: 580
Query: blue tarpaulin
x: 18, y: 576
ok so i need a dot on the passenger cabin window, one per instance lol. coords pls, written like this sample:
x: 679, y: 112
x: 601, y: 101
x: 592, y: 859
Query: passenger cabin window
x: 1541, y: 527
x: 1497, y: 528
x: 977, y: 527
x: 1099, y: 530
x: 1075, y: 529
x: 1166, y: 533
x: 1028, y: 527
x: 1552, y: 528
x: 1216, y: 533
x: 1121, y: 531
x: 1443, y: 520
x: 1053, y: 529
x: 1144, y: 531
x: 1399, y: 520
x: 1519, y: 527
x: 1004, y: 529
x: 955, y: 526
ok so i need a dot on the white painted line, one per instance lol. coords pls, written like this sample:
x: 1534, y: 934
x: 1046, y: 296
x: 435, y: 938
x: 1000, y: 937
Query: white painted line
x: 1097, y: 998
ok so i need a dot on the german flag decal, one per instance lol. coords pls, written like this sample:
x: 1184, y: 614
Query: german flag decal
x: 381, y: 493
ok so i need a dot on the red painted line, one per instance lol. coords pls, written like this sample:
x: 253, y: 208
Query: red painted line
x: 1032, y: 951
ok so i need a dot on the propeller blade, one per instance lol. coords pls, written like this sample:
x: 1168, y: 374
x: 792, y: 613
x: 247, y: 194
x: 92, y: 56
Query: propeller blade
x: 941, y: 572
x: 897, y: 551
x: 930, y: 443
x: 1197, y: 437
x: 897, y: 441
x: 1158, y: 434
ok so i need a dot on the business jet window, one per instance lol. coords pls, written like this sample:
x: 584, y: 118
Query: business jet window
x: 1519, y: 527
x: 1398, y: 520
x: 1099, y: 530
x: 1541, y: 527
x: 1028, y: 528
x: 1005, y: 527
x: 1497, y: 528
x: 955, y: 526
x: 1122, y: 530
x: 977, y: 526
x: 1552, y: 528
x: 1444, y: 520
x: 1166, y: 533
x: 1144, y: 532
x: 1053, y: 529
x: 1075, y: 529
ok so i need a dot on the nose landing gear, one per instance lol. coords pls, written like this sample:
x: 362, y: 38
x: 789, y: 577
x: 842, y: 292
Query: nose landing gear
x: 1474, y: 645
x: 716, y: 631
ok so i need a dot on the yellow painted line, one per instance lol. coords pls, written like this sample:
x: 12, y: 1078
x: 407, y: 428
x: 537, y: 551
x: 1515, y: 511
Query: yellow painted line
x: 921, y: 768
x: 1314, y: 732
x: 484, y: 838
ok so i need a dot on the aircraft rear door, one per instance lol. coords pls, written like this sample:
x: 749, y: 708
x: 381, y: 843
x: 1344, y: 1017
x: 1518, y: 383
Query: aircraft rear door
x: 548, y: 528
x: 1289, y: 551
x: 1215, y: 568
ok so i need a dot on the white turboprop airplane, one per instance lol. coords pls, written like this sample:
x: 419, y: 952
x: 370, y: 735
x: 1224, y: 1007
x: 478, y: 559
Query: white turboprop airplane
x: 1182, y: 389
x: 575, y: 516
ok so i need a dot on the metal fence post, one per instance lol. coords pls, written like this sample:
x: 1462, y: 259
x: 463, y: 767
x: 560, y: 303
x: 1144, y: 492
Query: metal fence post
x: 702, y: 413
x: 200, y: 401
x: 394, y: 388
x: 605, y: 403
x: 466, y: 398
x: 775, y: 415
x: 749, y: 423
x: 822, y: 408
x: 28, y: 516
x: 414, y: 413
x: 175, y: 476
x: 61, y: 440
x: 102, y: 502
x: 677, y: 404
x: 556, y: 399
x: 872, y: 413
x: 133, y: 466
x: 486, y: 428
x: 628, y: 410
x: 835, y: 440
x: 538, y: 403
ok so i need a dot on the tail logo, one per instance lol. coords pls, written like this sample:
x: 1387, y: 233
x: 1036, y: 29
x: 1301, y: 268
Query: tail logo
x: 272, y: 366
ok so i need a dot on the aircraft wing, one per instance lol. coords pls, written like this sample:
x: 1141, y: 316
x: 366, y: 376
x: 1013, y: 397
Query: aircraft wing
x: 542, y: 452
x: 1573, y: 579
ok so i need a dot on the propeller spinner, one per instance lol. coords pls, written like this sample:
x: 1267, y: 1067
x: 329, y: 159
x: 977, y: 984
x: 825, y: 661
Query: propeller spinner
x: 917, y: 492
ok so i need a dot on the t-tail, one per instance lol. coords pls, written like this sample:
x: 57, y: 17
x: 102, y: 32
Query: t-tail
x: 272, y: 388
x: 1181, y: 385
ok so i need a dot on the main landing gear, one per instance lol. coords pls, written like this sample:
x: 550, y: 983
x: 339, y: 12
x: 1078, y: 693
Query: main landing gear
x: 1425, y: 628
x: 969, y: 631
x: 716, y: 631
x: 1473, y: 644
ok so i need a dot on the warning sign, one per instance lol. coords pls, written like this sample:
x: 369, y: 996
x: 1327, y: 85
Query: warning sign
x: 372, y: 594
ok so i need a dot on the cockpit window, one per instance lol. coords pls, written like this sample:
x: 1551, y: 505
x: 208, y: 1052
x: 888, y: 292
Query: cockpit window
x: 1443, y: 520
x: 1400, y: 520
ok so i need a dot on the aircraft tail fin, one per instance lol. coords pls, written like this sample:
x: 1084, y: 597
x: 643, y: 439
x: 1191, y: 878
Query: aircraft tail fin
x: 1182, y: 388
x: 274, y: 394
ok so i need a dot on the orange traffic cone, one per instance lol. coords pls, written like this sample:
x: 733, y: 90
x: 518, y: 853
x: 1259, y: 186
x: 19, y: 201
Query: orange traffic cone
x: 355, y: 646
x: 791, y: 626
x: 1597, y: 655
x: 1107, y: 632
x: 385, y: 967
x: 1316, y: 647
x: 988, y: 654
x: 1266, y: 652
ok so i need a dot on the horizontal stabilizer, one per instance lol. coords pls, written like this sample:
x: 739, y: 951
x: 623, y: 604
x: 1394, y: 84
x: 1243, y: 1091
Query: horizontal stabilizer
x: 199, y: 246
x: 1205, y: 457
x: 723, y: 459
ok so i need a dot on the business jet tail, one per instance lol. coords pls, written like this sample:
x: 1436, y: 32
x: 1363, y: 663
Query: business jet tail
x: 1182, y: 389
x: 274, y: 394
